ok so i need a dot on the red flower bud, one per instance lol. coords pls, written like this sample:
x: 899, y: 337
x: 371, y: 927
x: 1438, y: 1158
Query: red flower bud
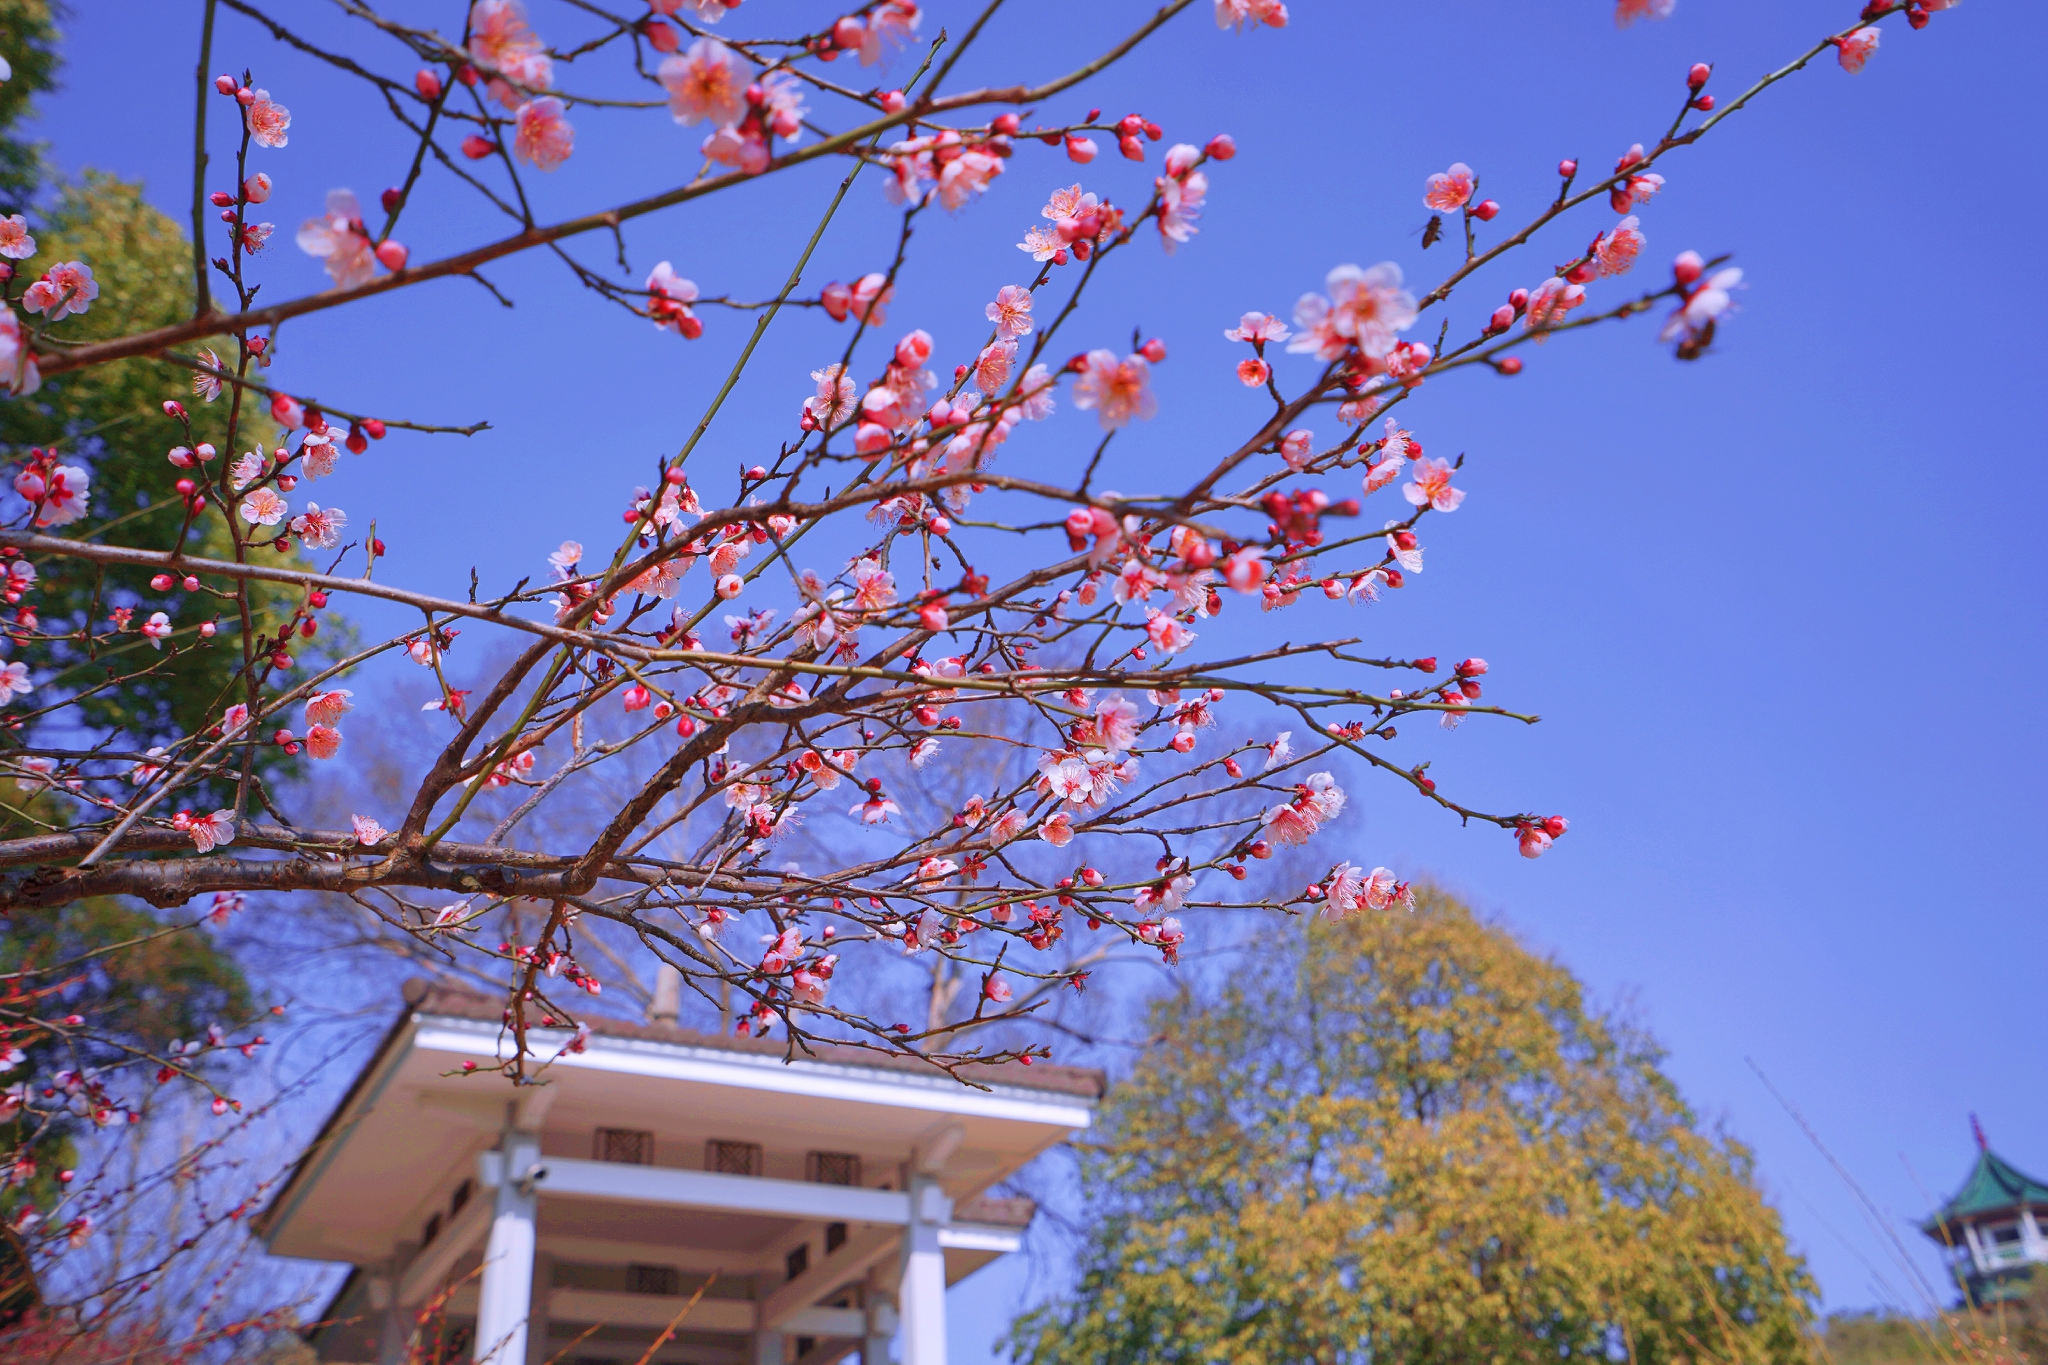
x: 1221, y: 147
x: 428, y: 84
x: 1697, y: 77
x: 1153, y: 350
x: 1567, y: 168
x: 476, y: 148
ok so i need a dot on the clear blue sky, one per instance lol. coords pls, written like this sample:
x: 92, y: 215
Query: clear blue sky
x: 1780, y: 609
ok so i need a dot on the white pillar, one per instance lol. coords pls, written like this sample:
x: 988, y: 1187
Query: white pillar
x: 505, y: 1298
x: 881, y: 1326
x: 922, y: 1289
x: 393, y: 1321
x: 667, y: 1005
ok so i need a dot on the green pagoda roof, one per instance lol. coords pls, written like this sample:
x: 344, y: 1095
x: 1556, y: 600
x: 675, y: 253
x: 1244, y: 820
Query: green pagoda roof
x: 1994, y: 1183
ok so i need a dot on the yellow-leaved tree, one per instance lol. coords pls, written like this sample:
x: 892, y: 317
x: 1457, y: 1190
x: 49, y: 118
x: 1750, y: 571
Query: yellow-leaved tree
x: 1407, y: 1138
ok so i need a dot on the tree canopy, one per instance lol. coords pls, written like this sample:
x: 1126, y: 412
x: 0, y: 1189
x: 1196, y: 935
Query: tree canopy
x: 1405, y: 1137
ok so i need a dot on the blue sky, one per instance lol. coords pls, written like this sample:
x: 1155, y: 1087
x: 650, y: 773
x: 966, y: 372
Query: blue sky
x: 1780, y: 608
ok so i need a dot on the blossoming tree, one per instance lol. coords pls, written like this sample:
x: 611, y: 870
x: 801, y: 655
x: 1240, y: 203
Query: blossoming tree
x: 878, y: 591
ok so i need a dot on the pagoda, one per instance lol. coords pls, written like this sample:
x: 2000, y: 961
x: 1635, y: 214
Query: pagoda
x: 1992, y: 1228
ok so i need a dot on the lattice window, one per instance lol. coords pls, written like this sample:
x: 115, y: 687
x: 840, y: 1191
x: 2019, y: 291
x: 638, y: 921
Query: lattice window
x: 628, y: 1146
x: 832, y: 1168
x: 665, y: 1280
x: 797, y: 1262
x: 835, y: 1237
x: 732, y: 1158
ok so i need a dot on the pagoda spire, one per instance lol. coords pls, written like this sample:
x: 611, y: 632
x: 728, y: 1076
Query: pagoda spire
x: 1977, y: 1131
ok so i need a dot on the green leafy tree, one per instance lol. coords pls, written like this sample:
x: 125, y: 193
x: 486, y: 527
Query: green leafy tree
x: 28, y: 41
x: 1406, y: 1138
x: 111, y: 418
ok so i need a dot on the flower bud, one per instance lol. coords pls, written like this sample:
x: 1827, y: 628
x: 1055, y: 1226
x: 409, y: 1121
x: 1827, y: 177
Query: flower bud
x: 1132, y: 148
x: 1705, y: 104
x: 476, y: 148
x: 1688, y: 267
x: 1503, y: 318
x: 428, y: 84
x: 391, y: 198
x: 182, y: 458
x: 316, y: 599
x: 1567, y: 168
x: 1221, y: 147
x: 287, y: 410
x: 207, y: 630
x: 837, y: 300
x: 1004, y: 124
x: 1697, y: 77
x: 245, y: 97
x: 392, y: 255
x: 373, y: 427
x: 932, y: 615
x: 256, y: 189
x: 1486, y: 210
x: 893, y: 102
x: 849, y: 32
x: 191, y: 584
x: 1080, y: 149
x: 731, y: 586
x: 173, y: 408
x: 1509, y: 365
x: 227, y: 85
x: 221, y: 199
x: 661, y: 37
x: 1153, y: 350
x: 161, y: 583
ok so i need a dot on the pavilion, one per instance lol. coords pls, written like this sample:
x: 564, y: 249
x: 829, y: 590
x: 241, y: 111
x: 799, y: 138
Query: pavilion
x: 820, y: 1204
x: 1992, y: 1228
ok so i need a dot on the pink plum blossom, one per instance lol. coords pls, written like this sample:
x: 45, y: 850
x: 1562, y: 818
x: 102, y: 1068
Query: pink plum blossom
x: 1011, y: 311
x: 1550, y: 301
x: 15, y: 243
x: 267, y: 121
x: 1117, y: 390
x: 502, y: 42
x: 1451, y: 189
x: 337, y: 239
x: 65, y: 288
x: 263, y: 507
x: 1432, y: 486
x: 1257, y: 328
x: 1239, y: 13
x: 1854, y: 50
x: 1365, y: 308
x: 1616, y: 249
x: 212, y: 831
x: 703, y: 85
x: 1626, y: 12
x: 319, y: 528
x: 544, y: 138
